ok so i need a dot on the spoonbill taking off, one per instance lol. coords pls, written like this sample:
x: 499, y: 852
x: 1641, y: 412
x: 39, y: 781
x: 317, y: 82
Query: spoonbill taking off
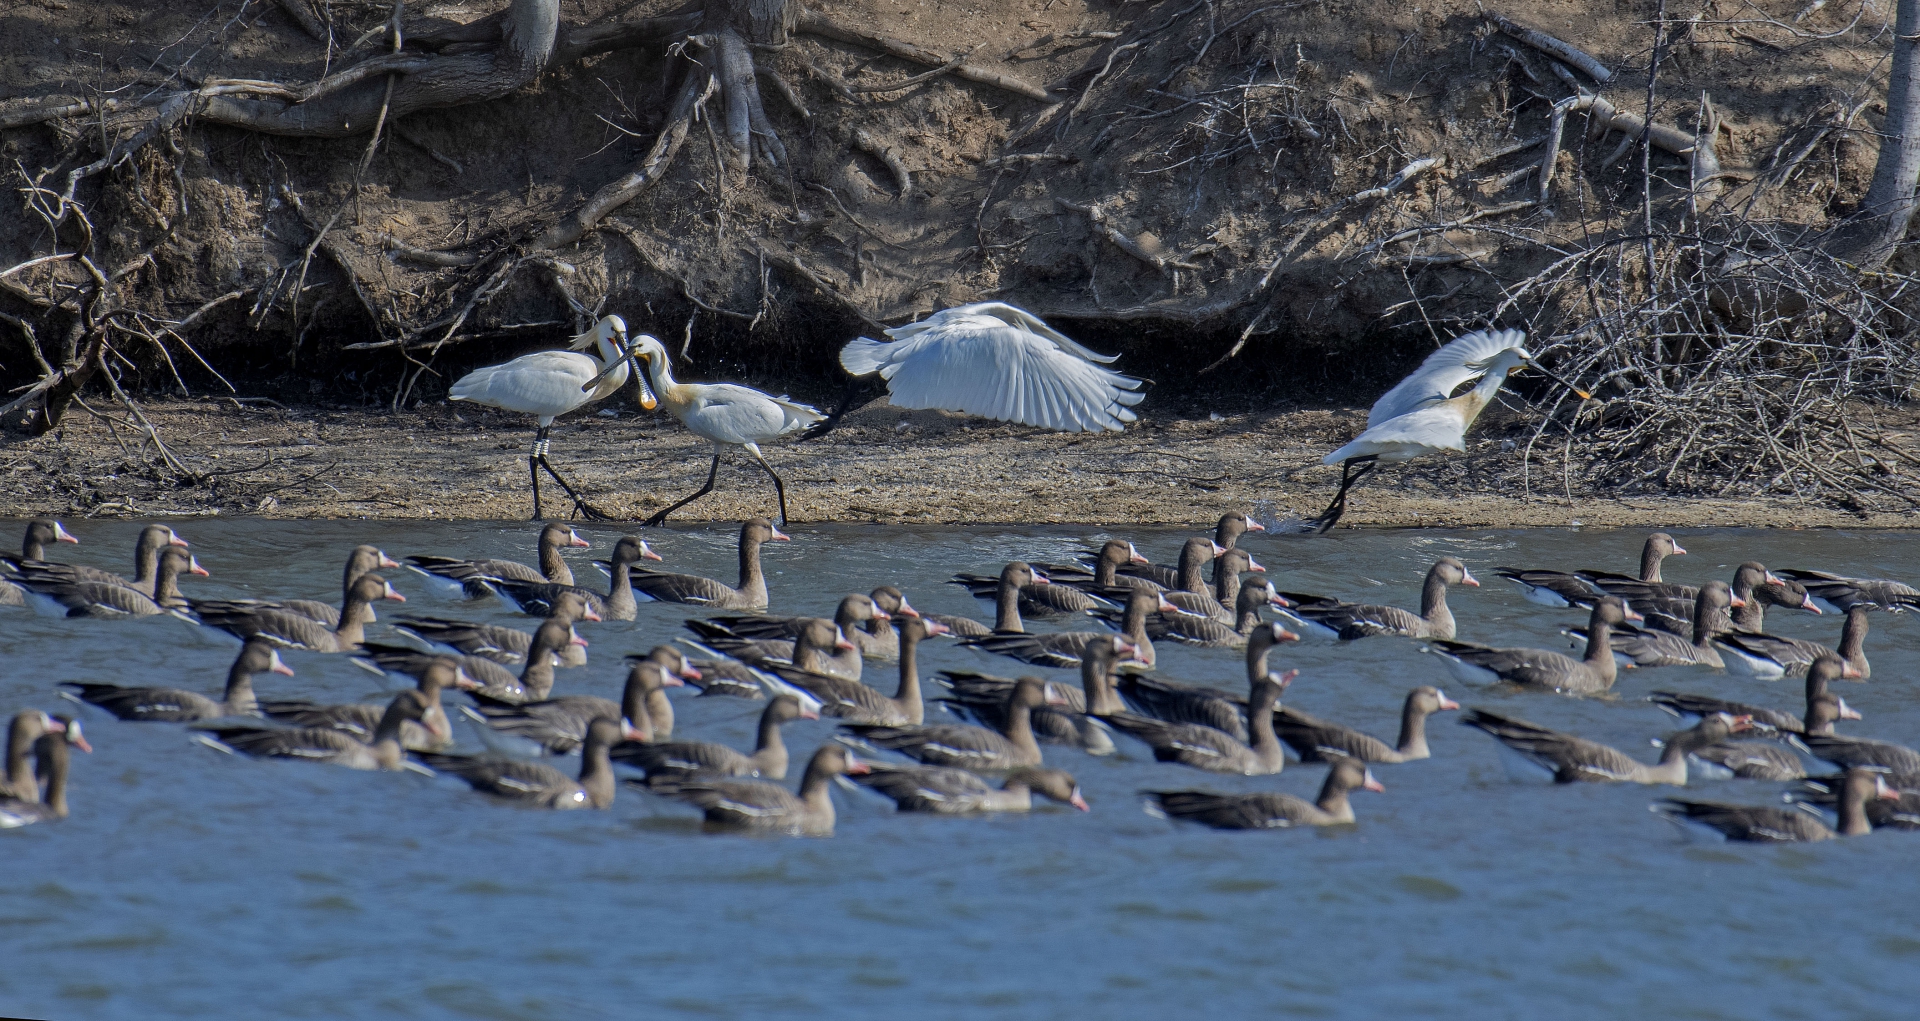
x: 725, y: 414
x: 994, y: 360
x: 550, y: 384
x: 1419, y: 416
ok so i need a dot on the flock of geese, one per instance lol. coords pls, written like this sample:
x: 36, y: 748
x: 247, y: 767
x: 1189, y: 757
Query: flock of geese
x: 988, y: 750
x: 988, y: 359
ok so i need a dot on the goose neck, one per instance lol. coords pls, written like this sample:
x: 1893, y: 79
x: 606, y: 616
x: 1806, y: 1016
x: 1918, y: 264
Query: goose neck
x: 552, y: 565
x: 1007, y: 608
x: 239, y: 697
x: 53, y: 762
x: 908, y: 694
x: 1413, y: 729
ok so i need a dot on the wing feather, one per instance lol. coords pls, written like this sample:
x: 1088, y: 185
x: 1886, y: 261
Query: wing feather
x: 1443, y: 371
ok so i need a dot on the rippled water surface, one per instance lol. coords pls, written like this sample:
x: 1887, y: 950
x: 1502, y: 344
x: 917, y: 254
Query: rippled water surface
x: 193, y: 884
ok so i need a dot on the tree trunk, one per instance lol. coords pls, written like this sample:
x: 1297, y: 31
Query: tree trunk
x: 1880, y: 224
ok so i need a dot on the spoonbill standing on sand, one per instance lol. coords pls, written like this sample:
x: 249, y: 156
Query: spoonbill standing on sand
x: 997, y: 361
x: 726, y: 414
x: 1419, y: 416
x: 550, y: 384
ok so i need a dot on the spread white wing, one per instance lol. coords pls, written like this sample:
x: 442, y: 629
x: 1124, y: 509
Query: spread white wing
x: 996, y: 361
x: 1460, y: 361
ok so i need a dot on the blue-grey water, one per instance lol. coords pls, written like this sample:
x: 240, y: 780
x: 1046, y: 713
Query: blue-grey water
x: 194, y: 884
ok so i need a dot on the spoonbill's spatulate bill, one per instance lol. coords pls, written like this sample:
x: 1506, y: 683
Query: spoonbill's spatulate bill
x: 1420, y: 415
x: 725, y: 414
x: 549, y: 384
x: 996, y: 361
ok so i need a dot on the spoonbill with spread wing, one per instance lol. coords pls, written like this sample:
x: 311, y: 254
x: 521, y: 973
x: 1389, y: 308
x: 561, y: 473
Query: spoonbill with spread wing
x: 1420, y: 415
x: 550, y: 384
x: 993, y: 360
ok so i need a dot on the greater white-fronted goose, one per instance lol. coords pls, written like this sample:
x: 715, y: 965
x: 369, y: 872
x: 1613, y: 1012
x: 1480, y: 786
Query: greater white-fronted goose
x: 983, y: 698
x: 855, y: 702
x: 558, y: 726
x: 294, y: 630
x: 1194, y: 556
x: 659, y: 706
x: 1836, y: 593
x: 1211, y: 707
x: 1543, y: 668
x: 1771, y: 657
x: 146, y: 560
x: 1849, y: 752
x: 1211, y: 749
x: 1348, y: 621
x: 536, y: 598
x: 362, y: 561
x: 459, y: 576
x: 1651, y: 647
x: 1014, y: 578
x: 750, y: 594
x: 536, y: 784
x: 1219, y: 605
x: 51, y: 759
x: 1036, y: 597
x: 40, y: 531
x: 970, y: 747
x: 1268, y: 810
x: 1564, y: 758
x: 501, y: 644
x: 1064, y: 648
x: 1191, y: 629
x: 676, y: 761
x: 111, y: 600
x: 432, y: 732
x: 768, y: 807
x: 1317, y: 740
x: 173, y: 705
x: 323, y: 744
x: 533, y: 683
x: 1772, y: 760
x: 850, y: 616
x: 1900, y: 813
x: 1676, y: 615
x: 1572, y: 588
x: 1670, y: 606
x: 724, y: 676
x: 1823, y: 671
x: 28, y: 726
x: 948, y: 791
x: 1105, y: 572
x: 1771, y: 825
x: 866, y: 619
x: 814, y: 648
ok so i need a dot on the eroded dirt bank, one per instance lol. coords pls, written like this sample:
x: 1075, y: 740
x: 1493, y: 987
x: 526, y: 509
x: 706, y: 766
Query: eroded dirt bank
x: 884, y: 465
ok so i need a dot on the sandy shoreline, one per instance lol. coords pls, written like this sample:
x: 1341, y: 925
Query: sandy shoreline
x: 885, y: 465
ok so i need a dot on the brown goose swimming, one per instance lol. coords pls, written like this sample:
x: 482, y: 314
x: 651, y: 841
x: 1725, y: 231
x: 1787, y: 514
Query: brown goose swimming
x: 866, y: 619
x: 536, y: 784
x: 750, y: 594
x: 1210, y: 707
x: 1107, y: 561
x: 1651, y: 647
x: 1836, y: 593
x: 457, y: 576
x: 770, y: 808
x: 1191, y: 629
x: 533, y: 683
x: 1015, y: 578
x: 1771, y: 657
x: 362, y: 561
x: 1316, y: 740
x: 854, y: 612
x: 1211, y: 749
x: 1571, y: 588
x: 173, y: 705
x: 40, y: 531
x: 1195, y: 554
x: 323, y: 744
x: 1037, y: 596
x: 28, y: 726
x: 970, y: 747
x: 146, y: 559
x: 106, y: 600
x: 294, y: 630
x: 558, y: 726
x: 857, y: 703
x: 505, y: 645
x: 1564, y: 758
x: 1772, y: 825
x: 675, y: 761
x: 1544, y: 668
x: 948, y: 791
x: 50, y: 756
x: 1270, y: 811
x: 1348, y: 621
x: 1064, y: 648
x: 1687, y: 704
x: 536, y: 598
x: 1899, y: 813
x: 1773, y: 760
x: 983, y: 699
x: 433, y: 731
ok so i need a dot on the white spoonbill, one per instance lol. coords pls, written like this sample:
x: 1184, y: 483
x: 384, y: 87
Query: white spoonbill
x: 1419, y: 416
x: 726, y: 414
x: 550, y: 384
x: 997, y: 361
